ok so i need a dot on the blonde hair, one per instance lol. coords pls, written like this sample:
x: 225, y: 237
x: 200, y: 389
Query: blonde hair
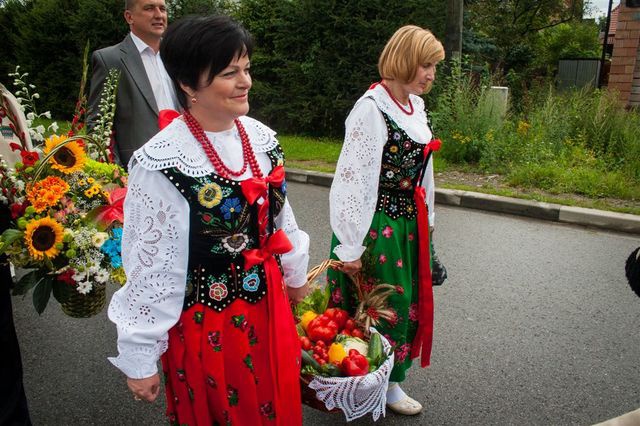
x: 409, y: 47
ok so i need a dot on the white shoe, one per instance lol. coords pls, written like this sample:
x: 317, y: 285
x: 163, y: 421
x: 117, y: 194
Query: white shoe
x: 407, y: 406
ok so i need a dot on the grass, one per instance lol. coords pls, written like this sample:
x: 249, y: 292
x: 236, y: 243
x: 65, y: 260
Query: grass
x: 307, y: 153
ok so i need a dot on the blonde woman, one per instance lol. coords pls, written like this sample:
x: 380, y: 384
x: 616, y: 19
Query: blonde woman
x: 381, y: 201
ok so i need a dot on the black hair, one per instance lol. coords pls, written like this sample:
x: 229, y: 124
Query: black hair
x: 195, y: 45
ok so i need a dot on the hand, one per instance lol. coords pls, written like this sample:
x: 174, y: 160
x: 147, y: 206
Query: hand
x: 147, y: 389
x: 352, y: 267
x: 297, y: 294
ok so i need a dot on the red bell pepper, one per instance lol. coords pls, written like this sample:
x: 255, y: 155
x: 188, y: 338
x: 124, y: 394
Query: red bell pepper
x: 355, y: 364
x: 322, y: 328
x: 340, y: 316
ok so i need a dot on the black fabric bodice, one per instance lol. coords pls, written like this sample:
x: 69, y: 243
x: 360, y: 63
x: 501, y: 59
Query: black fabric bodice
x: 402, y: 162
x: 222, y: 224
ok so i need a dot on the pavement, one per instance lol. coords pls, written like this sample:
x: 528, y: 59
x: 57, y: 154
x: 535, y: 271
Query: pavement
x: 602, y: 219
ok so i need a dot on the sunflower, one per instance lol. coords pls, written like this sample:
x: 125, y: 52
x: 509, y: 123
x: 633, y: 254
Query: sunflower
x: 210, y: 195
x: 43, y: 237
x: 68, y: 159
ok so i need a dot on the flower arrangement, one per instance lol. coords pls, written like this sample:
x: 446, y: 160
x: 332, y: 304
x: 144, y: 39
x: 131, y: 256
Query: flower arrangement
x: 66, y: 200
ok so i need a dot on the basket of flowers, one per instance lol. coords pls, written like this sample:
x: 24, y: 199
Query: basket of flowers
x: 66, y: 201
x: 346, y: 363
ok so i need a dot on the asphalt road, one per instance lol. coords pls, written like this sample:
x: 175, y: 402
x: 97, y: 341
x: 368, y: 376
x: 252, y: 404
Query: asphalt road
x: 535, y: 326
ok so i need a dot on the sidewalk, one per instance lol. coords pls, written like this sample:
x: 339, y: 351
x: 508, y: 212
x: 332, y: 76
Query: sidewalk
x: 555, y: 212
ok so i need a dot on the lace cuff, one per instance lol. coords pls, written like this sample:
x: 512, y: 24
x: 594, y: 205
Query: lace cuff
x: 139, y: 362
x: 348, y: 253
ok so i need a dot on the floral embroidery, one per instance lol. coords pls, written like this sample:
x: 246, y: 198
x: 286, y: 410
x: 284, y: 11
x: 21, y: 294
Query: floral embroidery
x: 413, y: 312
x: 253, y: 338
x: 393, y: 149
x: 389, y: 174
x: 410, y: 236
x: 232, y: 395
x: 218, y: 291
x: 198, y: 317
x: 399, y: 289
x: 251, y: 282
x: 248, y: 362
x: 399, y: 263
x: 239, y: 321
x: 373, y: 234
x: 336, y: 296
x: 181, y: 376
x: 214, y: 340
x: 387, y: 232
x: 382, y: 259
x: 235, y: 243
x: 266, y: 410
x: 230, y: 207
x: 396, y: 136
x: 210, y: 195
x: 212, y: 382
x: 402, y: 352
x: 405, y: 183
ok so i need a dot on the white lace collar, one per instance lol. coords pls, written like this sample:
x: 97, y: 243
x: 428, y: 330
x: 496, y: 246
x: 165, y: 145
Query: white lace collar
x: 386, y: 105
x: 175, y: 146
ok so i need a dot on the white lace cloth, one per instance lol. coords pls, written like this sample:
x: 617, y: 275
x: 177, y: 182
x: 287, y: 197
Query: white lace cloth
x: 354, y: 191
x: 155, y: 246
x: 357, y: 396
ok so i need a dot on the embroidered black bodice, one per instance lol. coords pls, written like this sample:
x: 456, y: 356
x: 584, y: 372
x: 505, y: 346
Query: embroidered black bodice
x: 222, y: 225
x: 402, y: 161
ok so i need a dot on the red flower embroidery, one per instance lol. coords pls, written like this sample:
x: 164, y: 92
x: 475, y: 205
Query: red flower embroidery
x: 387, y: 231
x: 218, y: 291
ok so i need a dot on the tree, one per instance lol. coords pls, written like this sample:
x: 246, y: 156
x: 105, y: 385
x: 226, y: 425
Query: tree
x: 567, y: 40
x: 512, y: 25
x: 314, y: 58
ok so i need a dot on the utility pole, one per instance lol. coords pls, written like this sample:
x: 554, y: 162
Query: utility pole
x: 453, y: 31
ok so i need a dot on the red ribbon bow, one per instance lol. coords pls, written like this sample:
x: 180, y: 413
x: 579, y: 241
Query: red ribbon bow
x: 114, y: 211
x: 423, y: 340
x: 278, y: 243
x: 254, y: 188
x: 166, y: 116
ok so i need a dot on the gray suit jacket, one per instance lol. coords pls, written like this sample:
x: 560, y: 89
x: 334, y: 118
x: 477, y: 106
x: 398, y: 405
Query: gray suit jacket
x: 136, y: 118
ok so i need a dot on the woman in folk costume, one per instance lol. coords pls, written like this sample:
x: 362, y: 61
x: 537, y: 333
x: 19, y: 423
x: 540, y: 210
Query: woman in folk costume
x: 381, y: 201
x: 209, y: 243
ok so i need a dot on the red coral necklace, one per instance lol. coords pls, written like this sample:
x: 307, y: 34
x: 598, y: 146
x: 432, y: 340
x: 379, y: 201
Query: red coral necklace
x: 248, y: 156
x: 396, y: 100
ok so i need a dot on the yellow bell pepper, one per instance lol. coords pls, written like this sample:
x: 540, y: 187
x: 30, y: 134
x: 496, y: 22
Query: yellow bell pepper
x: 306, y: 318
x: 336, y: 353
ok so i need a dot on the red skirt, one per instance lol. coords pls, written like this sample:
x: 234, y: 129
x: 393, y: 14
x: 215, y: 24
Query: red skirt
x: 220, y: 368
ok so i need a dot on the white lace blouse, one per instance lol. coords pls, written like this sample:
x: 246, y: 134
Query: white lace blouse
x: 155, y: 237
x: 354, y: 191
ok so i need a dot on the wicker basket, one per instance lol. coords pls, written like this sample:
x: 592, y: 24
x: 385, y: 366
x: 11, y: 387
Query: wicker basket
x: 86, y: 305
x: 362, y: 318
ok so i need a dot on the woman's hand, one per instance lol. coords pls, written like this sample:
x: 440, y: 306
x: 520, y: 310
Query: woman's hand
x: 147, y: 389
x: 296, y: 294
x: 352, y: 267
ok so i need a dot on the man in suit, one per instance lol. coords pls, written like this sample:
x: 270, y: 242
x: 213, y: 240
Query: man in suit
x: 144, y: 87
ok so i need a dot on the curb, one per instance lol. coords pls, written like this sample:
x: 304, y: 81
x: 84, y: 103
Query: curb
x: 602, y: 219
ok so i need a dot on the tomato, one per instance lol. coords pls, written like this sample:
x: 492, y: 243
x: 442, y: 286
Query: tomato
x: 357, y: 333
x: 305, y: 342
x: 350, y: 324
x: 340, y: 316
x: 346, y: 332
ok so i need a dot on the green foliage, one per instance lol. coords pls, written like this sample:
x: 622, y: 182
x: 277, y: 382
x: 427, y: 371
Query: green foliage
x: 314, y: 58
x: 48, y: 39
x: 179, y: 8
x: 567, y: 40
x: 581, y: 142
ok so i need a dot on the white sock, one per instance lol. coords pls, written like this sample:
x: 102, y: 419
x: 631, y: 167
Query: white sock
x: 395, y: 393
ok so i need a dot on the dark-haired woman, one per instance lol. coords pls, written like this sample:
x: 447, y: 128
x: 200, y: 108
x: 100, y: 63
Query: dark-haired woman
x: 209, y: 243
x: 381, y: 201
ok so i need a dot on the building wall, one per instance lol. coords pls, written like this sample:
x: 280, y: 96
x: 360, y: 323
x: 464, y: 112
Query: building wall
x: 624, y: 75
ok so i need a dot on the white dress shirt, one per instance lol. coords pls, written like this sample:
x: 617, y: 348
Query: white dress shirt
x: 161, y: 84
